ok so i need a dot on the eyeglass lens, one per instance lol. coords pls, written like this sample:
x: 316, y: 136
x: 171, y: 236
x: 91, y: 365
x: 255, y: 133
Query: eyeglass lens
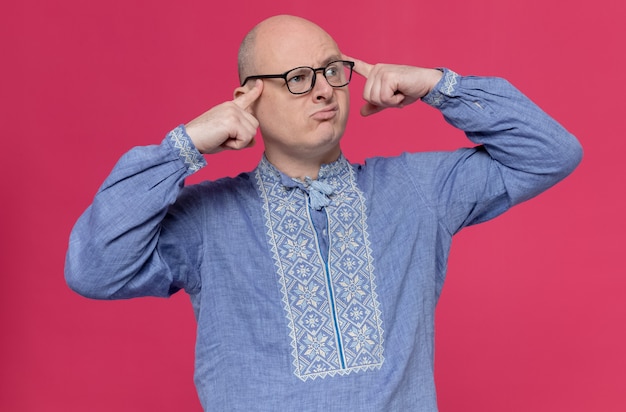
x: 300, y: 79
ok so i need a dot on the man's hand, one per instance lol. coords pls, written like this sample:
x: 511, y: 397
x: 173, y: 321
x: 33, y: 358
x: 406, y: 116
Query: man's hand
x: 227, y: 126
x: 389, y: 85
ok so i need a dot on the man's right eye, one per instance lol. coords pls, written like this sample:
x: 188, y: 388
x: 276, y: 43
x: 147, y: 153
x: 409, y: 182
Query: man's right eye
x: 296, y: 79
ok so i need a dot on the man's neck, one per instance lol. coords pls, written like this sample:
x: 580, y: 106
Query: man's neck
x: 301, y: 167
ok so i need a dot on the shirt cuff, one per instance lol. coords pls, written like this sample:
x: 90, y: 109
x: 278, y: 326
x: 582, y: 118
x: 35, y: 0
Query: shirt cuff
x: 185, y: 149
x: 445, y: 88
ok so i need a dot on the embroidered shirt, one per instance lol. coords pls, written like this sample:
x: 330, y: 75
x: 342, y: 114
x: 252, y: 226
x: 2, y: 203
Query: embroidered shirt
x: 316, y: 294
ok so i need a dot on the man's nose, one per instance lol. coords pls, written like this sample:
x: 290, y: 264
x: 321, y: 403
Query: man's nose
x: 322, y: 89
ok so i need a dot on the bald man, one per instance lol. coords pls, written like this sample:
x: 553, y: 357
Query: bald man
x: 314, y: 281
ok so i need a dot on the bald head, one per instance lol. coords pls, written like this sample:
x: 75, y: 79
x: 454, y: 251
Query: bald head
x: 245, y: 58
x: 273, y: 35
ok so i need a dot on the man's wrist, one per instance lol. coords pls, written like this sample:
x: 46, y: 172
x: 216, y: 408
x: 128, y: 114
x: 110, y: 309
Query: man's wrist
x: 445, y: 88
x: 185, y: 149
x: 434, y: 76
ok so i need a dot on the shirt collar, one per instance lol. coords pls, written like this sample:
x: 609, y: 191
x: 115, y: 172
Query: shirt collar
x: 320, y: 190
x: 327, y: 171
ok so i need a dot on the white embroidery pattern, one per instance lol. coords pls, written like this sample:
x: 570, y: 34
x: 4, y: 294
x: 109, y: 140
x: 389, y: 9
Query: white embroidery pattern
x: 192, y: 158
x: 436, y: 97
x: 449, y: 82
x: 332, y: 308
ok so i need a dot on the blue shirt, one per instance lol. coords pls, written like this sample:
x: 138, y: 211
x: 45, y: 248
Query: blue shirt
x: 317, y: 294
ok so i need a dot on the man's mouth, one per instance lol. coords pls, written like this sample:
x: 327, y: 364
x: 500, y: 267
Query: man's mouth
x: 326, y: 113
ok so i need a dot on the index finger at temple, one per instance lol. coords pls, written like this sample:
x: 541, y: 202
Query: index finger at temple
x: 360, y: 66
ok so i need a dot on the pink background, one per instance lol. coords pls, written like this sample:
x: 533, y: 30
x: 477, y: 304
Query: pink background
x: 532, y: 317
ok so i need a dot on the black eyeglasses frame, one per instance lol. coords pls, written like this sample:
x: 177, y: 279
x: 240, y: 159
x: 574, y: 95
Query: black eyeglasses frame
x: 315, y: 70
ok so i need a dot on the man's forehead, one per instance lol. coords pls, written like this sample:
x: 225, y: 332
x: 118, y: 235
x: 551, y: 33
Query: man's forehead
x: 283, y: 59
x: 312, y: 61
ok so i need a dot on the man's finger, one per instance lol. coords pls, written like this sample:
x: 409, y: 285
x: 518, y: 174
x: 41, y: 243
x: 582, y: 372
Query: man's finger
x: 362, y: 68
x: 244, y: 100
x: 369, y: 109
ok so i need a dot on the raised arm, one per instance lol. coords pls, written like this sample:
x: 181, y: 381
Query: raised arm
x: 520, y: 152
x: 128, y: 243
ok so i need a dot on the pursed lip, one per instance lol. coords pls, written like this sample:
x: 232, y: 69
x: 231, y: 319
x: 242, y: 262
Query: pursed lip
x: 326, y: 113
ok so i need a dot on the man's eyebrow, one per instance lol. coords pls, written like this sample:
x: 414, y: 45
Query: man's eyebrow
x: 330, y: 59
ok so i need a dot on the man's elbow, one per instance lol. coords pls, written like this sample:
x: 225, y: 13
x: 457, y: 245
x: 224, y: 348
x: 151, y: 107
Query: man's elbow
x: 85, y: 286
x: 571, y: 156
x: 82, y: 279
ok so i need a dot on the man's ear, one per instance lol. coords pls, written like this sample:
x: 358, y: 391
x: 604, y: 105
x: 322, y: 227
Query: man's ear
x: 243, y: 90
x: 239, y: 91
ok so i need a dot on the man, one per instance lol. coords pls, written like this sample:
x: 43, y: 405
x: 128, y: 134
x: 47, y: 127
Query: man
x: 314, y: 281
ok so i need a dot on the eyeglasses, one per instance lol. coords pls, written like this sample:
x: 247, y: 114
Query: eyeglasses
x: 301, y: 80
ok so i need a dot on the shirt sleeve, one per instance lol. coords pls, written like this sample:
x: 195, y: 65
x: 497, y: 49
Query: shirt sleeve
x: 119, y: 247
x: 520, y: 151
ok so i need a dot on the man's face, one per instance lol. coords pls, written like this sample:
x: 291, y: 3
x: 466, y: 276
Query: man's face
x: 299, y: 126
